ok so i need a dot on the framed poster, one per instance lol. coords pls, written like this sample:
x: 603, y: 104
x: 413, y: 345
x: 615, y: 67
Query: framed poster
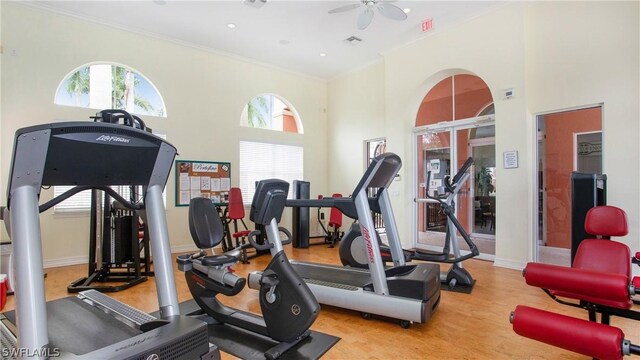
x: 209, y: 179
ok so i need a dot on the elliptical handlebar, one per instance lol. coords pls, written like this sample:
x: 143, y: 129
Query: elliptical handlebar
x: 284, y: 230
x: 451, y: 183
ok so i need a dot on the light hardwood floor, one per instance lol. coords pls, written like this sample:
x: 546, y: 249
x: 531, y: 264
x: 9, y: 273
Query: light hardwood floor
x: 465, y: 326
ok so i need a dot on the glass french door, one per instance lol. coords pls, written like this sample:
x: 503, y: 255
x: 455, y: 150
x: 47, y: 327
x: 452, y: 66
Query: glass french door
x: 440, y: 151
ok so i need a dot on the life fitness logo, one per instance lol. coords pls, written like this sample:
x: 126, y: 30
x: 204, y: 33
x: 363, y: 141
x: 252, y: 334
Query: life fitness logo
x: 153, y: 357
x: 118, y: 139
x: 367, y: 241
x: 195, y: 278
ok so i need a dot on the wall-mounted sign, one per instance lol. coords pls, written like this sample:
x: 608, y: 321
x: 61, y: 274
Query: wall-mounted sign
x: 434, y: 166
x: 510, y: 159
x: 588, y: 148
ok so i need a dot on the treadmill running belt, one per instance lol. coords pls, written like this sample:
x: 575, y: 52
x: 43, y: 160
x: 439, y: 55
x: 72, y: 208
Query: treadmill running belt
x: 333, y: 274
x: 79, y: 328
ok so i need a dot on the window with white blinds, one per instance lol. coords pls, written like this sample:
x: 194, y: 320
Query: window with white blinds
x: 259, y: 161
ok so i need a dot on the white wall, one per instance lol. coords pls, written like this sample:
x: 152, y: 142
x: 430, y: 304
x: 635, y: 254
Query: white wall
x: 356, y: 113
x: 555, y: 56
x: 204, y: 94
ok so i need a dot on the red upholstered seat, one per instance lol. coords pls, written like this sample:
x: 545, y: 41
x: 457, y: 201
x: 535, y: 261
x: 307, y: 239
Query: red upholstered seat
x: 602, y: 255
x: 240, y: 234
x: 335, y: 216
x: 236, y: 207
x: 236, y: 210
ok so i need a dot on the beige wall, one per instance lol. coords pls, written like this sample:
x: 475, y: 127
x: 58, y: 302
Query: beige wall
x: 356, y: 113
x: 555, y: 55
x: 204, y: 95
x: 589, y: 53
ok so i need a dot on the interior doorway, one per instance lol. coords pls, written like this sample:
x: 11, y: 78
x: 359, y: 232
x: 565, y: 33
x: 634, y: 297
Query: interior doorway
x: 567, y: 141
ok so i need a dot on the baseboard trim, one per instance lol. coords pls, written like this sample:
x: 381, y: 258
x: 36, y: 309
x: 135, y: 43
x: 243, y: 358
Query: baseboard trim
x: 183, y: 248
x: 509, y: 264
x: 80, y: 260
x: 74, y: 260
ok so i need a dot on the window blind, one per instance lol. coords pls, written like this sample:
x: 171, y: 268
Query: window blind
x: 259, y: 161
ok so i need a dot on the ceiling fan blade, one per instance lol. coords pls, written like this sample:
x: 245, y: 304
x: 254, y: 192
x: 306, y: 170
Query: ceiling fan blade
x: 344, y: 8
x: 365, y: 17
x: 392, y: 12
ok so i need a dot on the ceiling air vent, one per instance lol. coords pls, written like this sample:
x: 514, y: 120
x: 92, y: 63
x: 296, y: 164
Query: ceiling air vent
x: 353, y: 40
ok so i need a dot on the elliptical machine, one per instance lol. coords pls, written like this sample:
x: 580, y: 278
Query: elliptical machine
x: 457, y: 277
x: 288, y: 306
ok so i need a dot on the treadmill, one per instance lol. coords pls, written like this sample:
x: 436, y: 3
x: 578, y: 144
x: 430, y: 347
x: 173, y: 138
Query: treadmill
x: 92, y: 155
x: 408, y: 293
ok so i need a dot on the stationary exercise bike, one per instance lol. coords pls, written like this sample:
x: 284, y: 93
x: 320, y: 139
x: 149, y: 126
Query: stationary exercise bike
x: 288, y: 306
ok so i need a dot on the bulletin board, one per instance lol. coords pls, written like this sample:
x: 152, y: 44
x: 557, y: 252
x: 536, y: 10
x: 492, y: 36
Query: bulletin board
x: 209, y: 179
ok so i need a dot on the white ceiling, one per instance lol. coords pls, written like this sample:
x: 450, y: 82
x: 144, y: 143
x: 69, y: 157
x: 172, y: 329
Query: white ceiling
x: 286, y: 34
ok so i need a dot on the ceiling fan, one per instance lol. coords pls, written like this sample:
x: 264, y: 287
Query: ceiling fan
x: 366, y: 15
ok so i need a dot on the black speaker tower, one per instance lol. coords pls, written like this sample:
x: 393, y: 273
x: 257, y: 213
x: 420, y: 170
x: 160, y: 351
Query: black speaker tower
x: 587, y: 191
x: 300, y: 215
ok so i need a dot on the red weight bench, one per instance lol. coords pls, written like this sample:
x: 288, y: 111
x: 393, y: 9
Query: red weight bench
x: 335, y: 223
x: 235, y: 212
x: 600, y: 281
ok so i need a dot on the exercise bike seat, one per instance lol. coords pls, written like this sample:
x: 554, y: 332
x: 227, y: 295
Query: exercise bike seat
x: 207, y: 231
x: 216, y: 260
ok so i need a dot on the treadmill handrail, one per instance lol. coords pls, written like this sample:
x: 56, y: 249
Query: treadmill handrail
x: 457, y: 177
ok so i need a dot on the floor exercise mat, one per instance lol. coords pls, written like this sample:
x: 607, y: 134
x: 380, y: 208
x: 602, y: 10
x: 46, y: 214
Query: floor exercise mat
x: 247, y: 345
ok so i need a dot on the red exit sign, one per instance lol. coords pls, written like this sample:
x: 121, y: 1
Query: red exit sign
x: 427, y: 25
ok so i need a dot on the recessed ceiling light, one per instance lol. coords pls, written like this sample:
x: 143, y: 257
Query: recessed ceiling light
x: 323, y: 54
x: 231, y: 25
x: 406, y: 10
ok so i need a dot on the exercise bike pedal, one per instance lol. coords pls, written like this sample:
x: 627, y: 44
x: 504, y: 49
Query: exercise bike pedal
x: 269, y: 278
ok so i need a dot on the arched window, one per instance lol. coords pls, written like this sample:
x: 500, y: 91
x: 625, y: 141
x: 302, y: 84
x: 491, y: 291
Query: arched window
x: 454, y: 98
x: 268, y: 111
x: 110, y: 86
